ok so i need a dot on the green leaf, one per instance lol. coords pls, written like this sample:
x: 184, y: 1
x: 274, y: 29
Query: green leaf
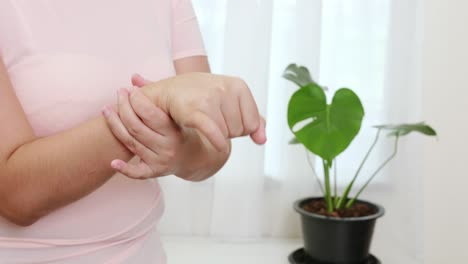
x: 329, y: 128
x: 294, y: 141
x: 300, y: 75
x: 405, y: 129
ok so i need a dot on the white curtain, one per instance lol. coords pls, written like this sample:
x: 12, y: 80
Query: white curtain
x: 370, y: 46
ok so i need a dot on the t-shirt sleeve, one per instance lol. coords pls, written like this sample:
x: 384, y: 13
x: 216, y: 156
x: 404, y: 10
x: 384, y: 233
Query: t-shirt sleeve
x: 186, y: 36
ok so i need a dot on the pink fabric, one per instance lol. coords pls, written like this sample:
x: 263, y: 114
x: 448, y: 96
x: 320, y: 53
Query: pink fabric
x: 66, y: 59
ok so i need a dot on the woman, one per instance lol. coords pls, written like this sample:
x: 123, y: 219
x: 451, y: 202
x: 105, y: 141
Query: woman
x: 61, y: 63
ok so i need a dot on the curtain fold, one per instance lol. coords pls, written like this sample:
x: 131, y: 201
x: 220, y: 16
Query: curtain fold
x: 370, y: 46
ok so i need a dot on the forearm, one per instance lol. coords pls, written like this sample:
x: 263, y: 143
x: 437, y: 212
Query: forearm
x: 53, y: 171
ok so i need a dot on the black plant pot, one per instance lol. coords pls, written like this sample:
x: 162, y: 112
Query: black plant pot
x: 337, y: 240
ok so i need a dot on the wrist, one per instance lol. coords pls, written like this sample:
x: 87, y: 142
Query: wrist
x: 158, y: 93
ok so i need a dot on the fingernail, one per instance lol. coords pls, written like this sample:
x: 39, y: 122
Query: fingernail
x: 106, y: 111
x: 123, y: 91
x: 115, y: 164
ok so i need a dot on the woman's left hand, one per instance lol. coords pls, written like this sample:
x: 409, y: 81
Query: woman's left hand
x: 146, y: 131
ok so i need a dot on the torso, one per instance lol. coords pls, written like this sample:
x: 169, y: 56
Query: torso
x: 66, y: 60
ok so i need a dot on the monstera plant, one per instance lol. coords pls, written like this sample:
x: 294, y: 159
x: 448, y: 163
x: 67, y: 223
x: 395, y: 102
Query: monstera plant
x: 326, y: 129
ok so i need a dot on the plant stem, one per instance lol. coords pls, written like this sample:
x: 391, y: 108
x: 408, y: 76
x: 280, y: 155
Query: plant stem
x: 344, y: 197
x: 315, y: 172
x: 335, y: 199
x: 395, y: 150
x: 328, y: 199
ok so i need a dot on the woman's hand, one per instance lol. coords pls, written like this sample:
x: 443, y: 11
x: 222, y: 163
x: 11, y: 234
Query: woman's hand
x: 146, y: 131
x: 198, y: 158
x: 219, y: 107
x: 224, y: 105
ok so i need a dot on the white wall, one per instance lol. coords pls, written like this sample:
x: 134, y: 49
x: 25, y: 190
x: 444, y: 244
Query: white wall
x: 445, y: 104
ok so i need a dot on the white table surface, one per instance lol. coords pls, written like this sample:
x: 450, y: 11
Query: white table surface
x: 194, y: 250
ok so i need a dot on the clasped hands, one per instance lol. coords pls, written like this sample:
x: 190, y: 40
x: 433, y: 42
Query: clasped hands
x: 182, y: 125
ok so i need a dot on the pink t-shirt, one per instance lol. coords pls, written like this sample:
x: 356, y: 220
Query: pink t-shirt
x: 66, y: 60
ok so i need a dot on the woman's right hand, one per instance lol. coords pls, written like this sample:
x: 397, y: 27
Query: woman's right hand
x: 219, y: 107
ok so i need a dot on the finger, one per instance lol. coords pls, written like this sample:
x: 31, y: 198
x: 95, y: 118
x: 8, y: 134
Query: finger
x: 208, y: 128
x: 217, y: 115
x: 139, y: 171
x: 233, y: 117
x: 248, y: 108
x: 120, y: 132
x: 139, y: 81
x: 151, y: 115
x: 148, y: 137
x: 259, y: 136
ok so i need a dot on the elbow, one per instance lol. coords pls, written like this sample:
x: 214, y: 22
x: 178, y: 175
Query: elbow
x: 20, y: 213
x: 23, y: 219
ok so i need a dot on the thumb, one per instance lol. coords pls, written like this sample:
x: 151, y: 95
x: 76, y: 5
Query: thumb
x: 259, y: 136
x: 139, y: 81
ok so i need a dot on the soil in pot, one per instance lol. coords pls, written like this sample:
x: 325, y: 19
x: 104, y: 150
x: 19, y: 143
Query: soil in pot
x: 357, y: 210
